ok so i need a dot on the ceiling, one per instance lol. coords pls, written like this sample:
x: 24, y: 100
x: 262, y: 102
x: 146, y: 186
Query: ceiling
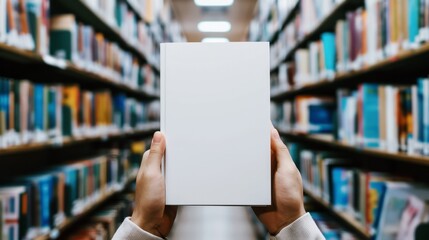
x: 239, y: 15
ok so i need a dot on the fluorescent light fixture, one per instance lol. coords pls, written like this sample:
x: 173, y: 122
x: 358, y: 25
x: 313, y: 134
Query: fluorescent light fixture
x: 215, y: 40
x: 214, y: 3
x: 214, y: 26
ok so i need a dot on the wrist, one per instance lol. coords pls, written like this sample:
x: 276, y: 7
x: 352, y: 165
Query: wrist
x: 286, y: 220
x: 146, y: 225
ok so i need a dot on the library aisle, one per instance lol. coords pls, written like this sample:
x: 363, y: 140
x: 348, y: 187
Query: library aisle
x: 213, y: 223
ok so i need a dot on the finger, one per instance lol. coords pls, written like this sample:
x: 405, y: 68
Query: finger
x: 157, y: 149
x: 279, y: 149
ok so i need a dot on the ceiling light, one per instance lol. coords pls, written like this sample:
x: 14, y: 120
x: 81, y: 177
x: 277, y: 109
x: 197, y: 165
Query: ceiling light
x: 214, y: 26
x: 214, y: 3
x: 215, y: 40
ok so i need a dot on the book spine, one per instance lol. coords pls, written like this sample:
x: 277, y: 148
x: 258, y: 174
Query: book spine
x: 370, y: 113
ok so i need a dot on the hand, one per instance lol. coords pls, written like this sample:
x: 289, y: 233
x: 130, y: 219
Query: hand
x: 287, y: 194
x: 150, y: 212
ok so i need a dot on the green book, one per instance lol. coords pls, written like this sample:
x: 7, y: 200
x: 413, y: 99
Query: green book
x: 61, y: 36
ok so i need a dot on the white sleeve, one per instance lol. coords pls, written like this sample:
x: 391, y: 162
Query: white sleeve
x: 304, y: 228
x: 130, y: 231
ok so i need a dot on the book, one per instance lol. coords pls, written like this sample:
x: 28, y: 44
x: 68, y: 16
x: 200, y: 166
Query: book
x: 195, y: 82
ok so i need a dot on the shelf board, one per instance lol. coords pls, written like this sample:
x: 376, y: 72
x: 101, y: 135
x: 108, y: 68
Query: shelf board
x: 403, y: 68
x: 83, y: 12
x: 289, y: 17
x: 352, y: 223
x: 70, y: 141
x: 356, y: 151
x: 69, y: 223
x: 136, y: 9
x: 48, y: 69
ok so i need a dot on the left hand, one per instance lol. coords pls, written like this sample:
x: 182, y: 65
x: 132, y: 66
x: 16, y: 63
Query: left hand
x: 150, y: 212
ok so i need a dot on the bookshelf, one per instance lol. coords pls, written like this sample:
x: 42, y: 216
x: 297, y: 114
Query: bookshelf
x: 341, y: 216
x: 70, y: 141
x: 82, y: 11
x: 46, y: 67
x: 354, y: 70
x: 71, y: 222
x: 392, y: 70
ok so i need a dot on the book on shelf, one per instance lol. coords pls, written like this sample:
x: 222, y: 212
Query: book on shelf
x: 379, y: 30
x: 103, y: 223
x: 34, y: 205
x: 24, y: 24
x: 307, y: 114
x: 36, y: 112
x: 378, y: 201
x: 390, y: 117
x: 380, y: 116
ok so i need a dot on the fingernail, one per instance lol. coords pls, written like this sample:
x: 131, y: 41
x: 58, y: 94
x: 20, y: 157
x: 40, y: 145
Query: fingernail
x: 157, y: 137
x: 275, y: 133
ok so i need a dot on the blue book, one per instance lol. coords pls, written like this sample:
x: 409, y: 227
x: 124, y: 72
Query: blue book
x: 370, y: 111
x: 413, y: 19
x: 7, y: 102
x: 38, y: 106
x: 377, y: 190
x: 328, y: 41
x: 340, y: 180
x: 2, y: 105
x: 321, y: 117
x: 119, y: 109
x: 52, y: 107
x: 423, y: 108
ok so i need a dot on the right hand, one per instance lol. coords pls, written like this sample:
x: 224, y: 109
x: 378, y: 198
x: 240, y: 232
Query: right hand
x: 287, y: 192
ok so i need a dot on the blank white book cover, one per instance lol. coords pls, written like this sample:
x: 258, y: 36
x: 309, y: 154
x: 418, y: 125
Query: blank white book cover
x: 215, y: 115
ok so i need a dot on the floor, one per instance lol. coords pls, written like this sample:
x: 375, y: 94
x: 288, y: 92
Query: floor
x: 214, y: 223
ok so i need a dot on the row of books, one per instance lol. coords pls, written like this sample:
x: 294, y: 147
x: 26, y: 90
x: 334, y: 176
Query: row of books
x: 25, y: 24
x: 306, y: 114
x: 383, y: 29
x: 35, y: 205
x: 330, y: 228
x: 119, y: 15
x: 36, y: 112
x: 310, y: 14
x: 90, y: 50
x: 28, y: 25
x: 386, y: 206
x: 388, y: 117
x: 103, y: 224
x: 385, y: 116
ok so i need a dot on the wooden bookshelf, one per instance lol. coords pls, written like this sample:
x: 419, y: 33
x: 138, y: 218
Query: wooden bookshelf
x: 71, y: 141
x: 401, y: 69
x: 71, y: 222
x: 289, y: 17
x: 49, y: 69
x: 355, y: 151
x: 343, y: 217
x: 83, y: 12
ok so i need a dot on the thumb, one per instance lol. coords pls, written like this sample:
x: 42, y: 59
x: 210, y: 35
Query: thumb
x: 279, y: 149
x: 157, y: 149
